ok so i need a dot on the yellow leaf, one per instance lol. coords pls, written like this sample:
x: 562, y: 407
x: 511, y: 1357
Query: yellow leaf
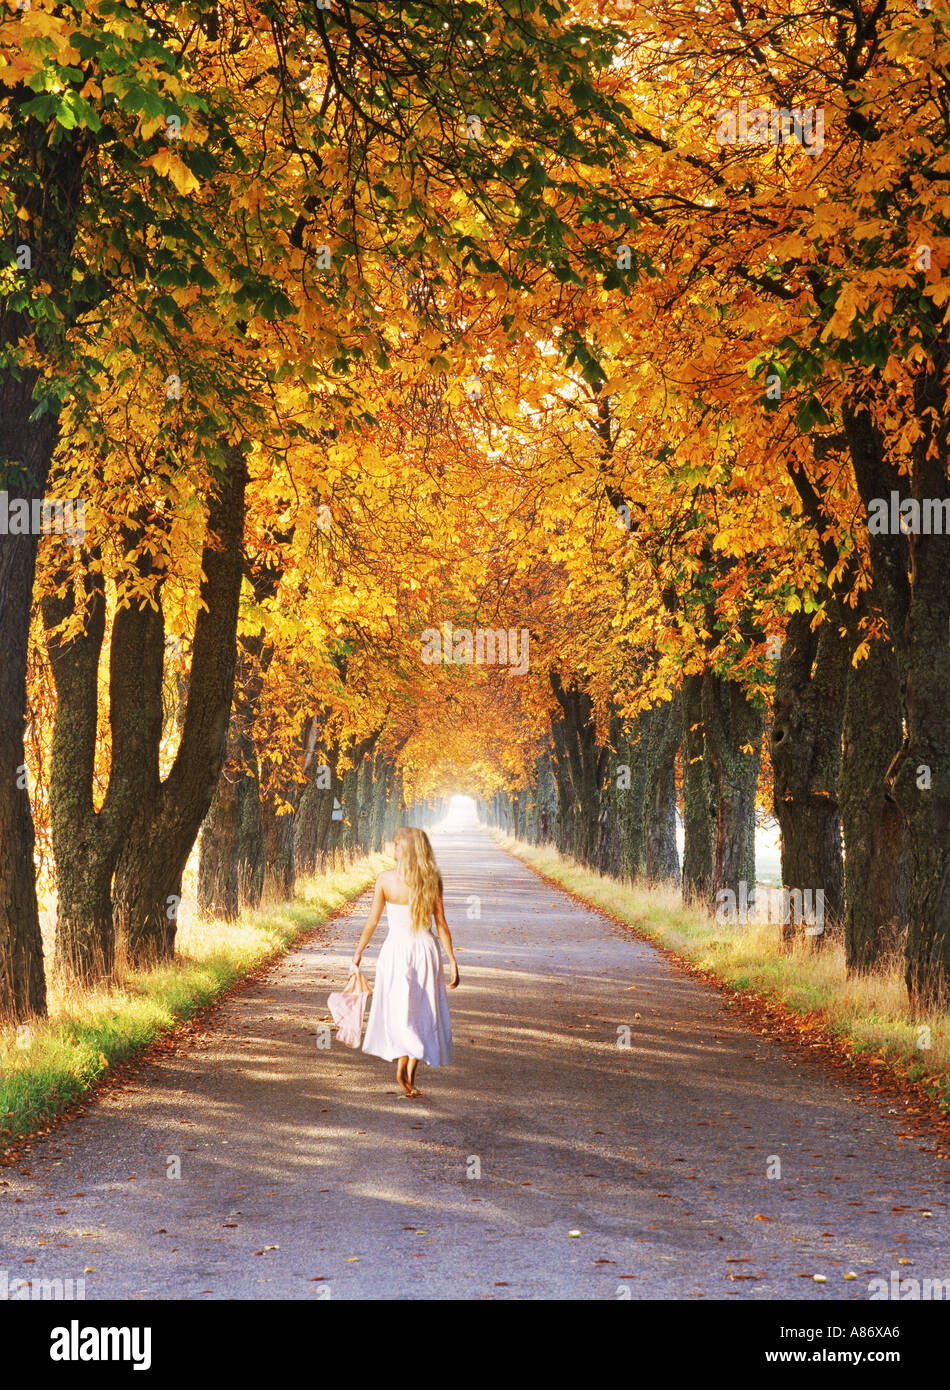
x: 171, y: 167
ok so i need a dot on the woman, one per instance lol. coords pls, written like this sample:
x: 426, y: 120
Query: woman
x: 409, y: 1014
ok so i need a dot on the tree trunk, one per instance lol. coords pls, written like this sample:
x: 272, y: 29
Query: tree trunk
x: 366, y: 801
x: 279, y: 825
x: 547, y: 800
x: 699, y: 802
x: 661, y: 860
x: 379, y: 793
x: 26, y: 449
x: 564, y: 812
x: 231, y: 866
x: 354, y: 792
x: 86, y: 842
x: 586, y: 763
x: 733, y: 724
x: 306, y: 823
x: 810, y: 689
x: 330, y: 805
x: 876, y: 853
x: 316, y: 797
x: 148, y: 878
x: 351, y: 808
x: 278, y: 847
x: 85, y: 861
x: 395, y: 808
x: 912, y: 585
x: 630, y: 781
x: 250, y: 846
x: 218, y: 861
x: 542, y: 801
x: 45, y: 183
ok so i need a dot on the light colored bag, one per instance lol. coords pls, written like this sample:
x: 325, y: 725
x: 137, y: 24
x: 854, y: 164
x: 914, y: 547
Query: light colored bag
x: 347, y: 1008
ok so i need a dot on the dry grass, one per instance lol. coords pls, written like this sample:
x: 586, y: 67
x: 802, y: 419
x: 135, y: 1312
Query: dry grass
x: 870, y: 1014
x: 48, y: 1065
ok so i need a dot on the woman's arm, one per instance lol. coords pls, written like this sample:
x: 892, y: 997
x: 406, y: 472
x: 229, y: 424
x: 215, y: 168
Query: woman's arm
x: 445, y: 936
x: 375, y: 912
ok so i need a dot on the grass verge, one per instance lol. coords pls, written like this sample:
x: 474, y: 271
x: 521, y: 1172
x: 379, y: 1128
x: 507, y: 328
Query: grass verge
x: 868, y: 1017
x: 49, y: 1065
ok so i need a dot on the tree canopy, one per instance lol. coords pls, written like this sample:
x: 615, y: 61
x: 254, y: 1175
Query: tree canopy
x: 545, y: 400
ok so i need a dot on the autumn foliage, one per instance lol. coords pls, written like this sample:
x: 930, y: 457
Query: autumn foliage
x: 583, y: 337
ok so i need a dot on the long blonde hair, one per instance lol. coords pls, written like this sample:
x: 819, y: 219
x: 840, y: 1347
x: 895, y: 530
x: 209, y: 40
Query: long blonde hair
x: 421, y: 873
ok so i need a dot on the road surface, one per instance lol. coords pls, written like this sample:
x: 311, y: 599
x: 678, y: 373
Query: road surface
x: 701, y: 1159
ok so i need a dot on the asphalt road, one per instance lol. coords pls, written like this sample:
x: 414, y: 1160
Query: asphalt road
x: 303, y: 1174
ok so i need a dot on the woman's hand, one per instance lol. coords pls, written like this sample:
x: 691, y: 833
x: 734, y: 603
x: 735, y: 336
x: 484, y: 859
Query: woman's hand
x: 453, y: 983
x: 355, y: 961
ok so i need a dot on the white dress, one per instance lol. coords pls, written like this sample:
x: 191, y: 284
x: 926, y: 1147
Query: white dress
x: 409, y: 1010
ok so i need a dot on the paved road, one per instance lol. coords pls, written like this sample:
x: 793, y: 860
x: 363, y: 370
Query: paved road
x: 304, y: 1175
